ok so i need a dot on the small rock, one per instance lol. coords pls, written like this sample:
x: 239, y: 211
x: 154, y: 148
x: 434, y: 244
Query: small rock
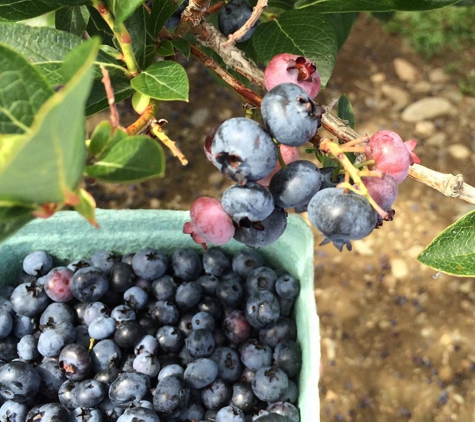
x: 459, y: 151
x: 405, y: 70
x: 424, y: 128
x: 398, y: 96
x: 384, y: 324
x: 377, y: 78
x: 399, y: 268
x: 198, y: 118
x: 437, y: 140
x: 437, y: 76
x: 426, y: 109
x: 421, y: 87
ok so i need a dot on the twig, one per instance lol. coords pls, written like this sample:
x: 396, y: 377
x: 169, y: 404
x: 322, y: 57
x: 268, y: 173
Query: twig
x: 157, y: 131
x: 234, y: 58
x: 110, y: 97
x: 256, y: 13
x: 144, y: 121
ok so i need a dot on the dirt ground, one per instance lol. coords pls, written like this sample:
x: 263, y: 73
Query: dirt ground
x: 397, y: 337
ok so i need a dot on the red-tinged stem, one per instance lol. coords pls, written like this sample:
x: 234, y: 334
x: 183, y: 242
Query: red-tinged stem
x: 145, y: 120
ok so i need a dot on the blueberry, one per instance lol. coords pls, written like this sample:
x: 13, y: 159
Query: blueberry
x: 150, y: 263
x: 89, y: 393
x: 173, y: 369
x: 48, y: 412
x: 265, y: 232
x: 75, y: 362
x: 6, y: 323
x: 249, y: 202
x: 285, y: 409
x: 27, y: 347
x: 66, y: 394
x: 78, y: 264
x: 18, y: 381
x: 295, y: 185
x: 94, y: 310
x: 57, y: 284
x: 170, y: 338
x: 243, y: 150
x: 283, y: 329
x: 129, y: 387
x: 216, y: 395
x: 147, y: 364
x: 37, y: 263
x: 270, y: 383
x: 107, y: 376
x: 170, y: 397
x: 89, y: 284
x: 262, y: 309
x: 165, y: 313
x: 255, y: 355
x: 139, y: 414
x: 12, y: 411
x: 216, y: 262
x: 271, y: 417
x: 186, y: 264
x: 51, y: 378
x: 200, y: 373
x: 203, y: 320
x: 290, y: 115
x: 233, y: 16
x: 200, y: 343
x: 23, y: 325
x: 128, y: 334
x: 230, y: 414
x: 8, y: 350
x: 208, y: 283
x: 148, y: 343
x: 136, y: 298
x: 29, y: 299
x: 261, y: 278
x: 245, y: 260
x: 81, y: 414
x: 105, y: 260
x: 54, y: 338
x: 287, y: 286
x: 123, y: 313
x: 105, y: 354
x: 102, y: 327
x: 230, y: 292
x: 228, y: 362
x: 164, y: 288
x: 56, y: 313
x: 121, y: 277
x: 243, y: 397
x: 288, y: 356
x: 236, y: 327
x: 329, y: 179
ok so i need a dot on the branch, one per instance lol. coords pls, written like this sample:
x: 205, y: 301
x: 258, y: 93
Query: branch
x: 121, y: 34
x: 256, y: 13
x: 447, y: 184
x: 157, y: 131
x: 234, y: 58
x: 106, y: 81
x: 192, y: 16
x: 144, y: 121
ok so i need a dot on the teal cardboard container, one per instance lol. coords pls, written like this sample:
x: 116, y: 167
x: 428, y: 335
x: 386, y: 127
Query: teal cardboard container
x: 67, y: 236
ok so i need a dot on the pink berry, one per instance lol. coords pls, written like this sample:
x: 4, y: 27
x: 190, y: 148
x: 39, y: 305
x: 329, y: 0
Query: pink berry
x: 209, y: 223
x: 382, y: 189
x: 58, y: 284
x: 289, y: 155
x: 295, y: 69
x: 390, y: 154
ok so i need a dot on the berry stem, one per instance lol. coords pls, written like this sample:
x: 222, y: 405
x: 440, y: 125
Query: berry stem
x: 329, y: 147
x: 121, y: 34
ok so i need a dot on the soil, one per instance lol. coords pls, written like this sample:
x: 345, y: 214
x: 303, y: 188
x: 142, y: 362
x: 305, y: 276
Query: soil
x: 397, y: 337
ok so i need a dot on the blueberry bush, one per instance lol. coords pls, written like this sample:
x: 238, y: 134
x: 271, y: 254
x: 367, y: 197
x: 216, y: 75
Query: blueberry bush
x: 64, y: 60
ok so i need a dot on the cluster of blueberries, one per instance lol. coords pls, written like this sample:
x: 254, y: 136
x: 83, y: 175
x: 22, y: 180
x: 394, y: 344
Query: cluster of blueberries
x: 147, y: 338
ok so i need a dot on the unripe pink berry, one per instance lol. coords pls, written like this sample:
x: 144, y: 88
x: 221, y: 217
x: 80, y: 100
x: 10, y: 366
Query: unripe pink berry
x: 294, y: 69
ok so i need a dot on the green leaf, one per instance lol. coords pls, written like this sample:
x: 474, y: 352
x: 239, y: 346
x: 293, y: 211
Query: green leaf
x: 73, y: 19
x: 87, y: 206
x: 343, y: 6
x: 143, y: 42
x: 133, y: 159
x: 161, y: 12
x: 18, y: 10
x: 166, y: 49
x: 342, y: 24
x: 69, y: 2
x: 302, y: 32
x: 453, y: 250
x: 23, y: 90
x: 184, y: 46
x: 102, y: 138
x: 164, y: 80
x: 46, y: 48
x: 98, y: 26
x: 345, y: 110
x: 45, y: 164
x: 97, y: 100
x: 13, y: 216
x: 280, y: 4
x: 123, y: 10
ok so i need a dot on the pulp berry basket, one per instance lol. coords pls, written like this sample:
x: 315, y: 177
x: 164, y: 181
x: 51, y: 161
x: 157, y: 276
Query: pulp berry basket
x: 67, y: 236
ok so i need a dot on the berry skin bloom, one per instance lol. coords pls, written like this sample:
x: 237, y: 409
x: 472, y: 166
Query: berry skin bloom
x: 209, y: 223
